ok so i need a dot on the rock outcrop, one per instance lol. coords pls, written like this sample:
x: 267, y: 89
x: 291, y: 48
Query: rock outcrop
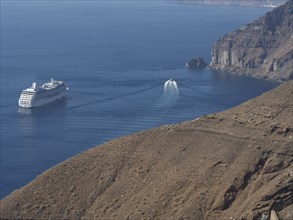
x: 247, y: 3
x: 237, y: 164
x: 196, y: 63
x: 263, y: 48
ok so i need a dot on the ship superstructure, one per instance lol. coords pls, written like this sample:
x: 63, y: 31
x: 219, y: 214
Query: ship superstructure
x: 36, y: 96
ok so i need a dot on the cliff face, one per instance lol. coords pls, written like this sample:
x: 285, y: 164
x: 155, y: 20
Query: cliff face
x: 236, y: 164
x: 263, y: 48
x: 250, y: 3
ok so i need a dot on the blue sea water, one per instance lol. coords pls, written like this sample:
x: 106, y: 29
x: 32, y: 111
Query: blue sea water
x: 115, y: 57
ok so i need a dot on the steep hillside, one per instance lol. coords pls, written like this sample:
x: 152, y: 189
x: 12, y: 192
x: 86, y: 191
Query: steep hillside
x: 237, y: 164
x: 261, y: 49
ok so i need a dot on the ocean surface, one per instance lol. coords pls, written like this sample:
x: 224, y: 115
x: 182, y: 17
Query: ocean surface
x: 115, y: 57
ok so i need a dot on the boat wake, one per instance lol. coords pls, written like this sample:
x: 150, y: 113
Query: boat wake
x: 167, y: 100
x: 114, y: 97
x: 148, y: 115
x: 153, y: 114
x: 209, y: 97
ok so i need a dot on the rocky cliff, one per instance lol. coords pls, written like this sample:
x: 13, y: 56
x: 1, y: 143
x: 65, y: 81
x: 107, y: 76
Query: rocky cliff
x: 237, y: 164
x: 249, y: 3
x: 263, y: 48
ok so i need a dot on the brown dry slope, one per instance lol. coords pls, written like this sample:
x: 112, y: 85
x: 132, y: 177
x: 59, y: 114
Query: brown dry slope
x: 233, y: 164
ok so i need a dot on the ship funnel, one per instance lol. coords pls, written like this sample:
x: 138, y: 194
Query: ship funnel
x: 34, y: 85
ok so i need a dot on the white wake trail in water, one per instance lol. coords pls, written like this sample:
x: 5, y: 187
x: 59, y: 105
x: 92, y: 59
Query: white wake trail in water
x: 156, y: 113
x: 169, y: 97
x: 171, y: 88
x: 164, y: 103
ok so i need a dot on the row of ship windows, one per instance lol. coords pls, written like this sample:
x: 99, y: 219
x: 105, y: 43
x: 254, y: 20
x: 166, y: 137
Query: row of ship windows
x: 24, y: 98
x: 23, y: 102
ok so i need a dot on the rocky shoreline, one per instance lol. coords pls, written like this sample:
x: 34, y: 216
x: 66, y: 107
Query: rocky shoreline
x: 261, y: 49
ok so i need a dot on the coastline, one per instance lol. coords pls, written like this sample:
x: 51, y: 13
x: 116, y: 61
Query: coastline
x: 229, y: 160
x: 262, y: 48
x: 236, y: 163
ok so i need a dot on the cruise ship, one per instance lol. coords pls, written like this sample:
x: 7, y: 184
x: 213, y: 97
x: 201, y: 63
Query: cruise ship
x: 47, y: 93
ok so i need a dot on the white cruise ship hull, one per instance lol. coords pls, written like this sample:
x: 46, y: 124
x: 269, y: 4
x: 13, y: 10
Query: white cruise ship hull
x: 40, y: 102
x: 37, y: 96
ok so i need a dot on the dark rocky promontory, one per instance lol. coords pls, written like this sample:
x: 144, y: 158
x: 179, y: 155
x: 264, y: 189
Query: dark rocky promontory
x: 263, y: 48
x: 196, y: 63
